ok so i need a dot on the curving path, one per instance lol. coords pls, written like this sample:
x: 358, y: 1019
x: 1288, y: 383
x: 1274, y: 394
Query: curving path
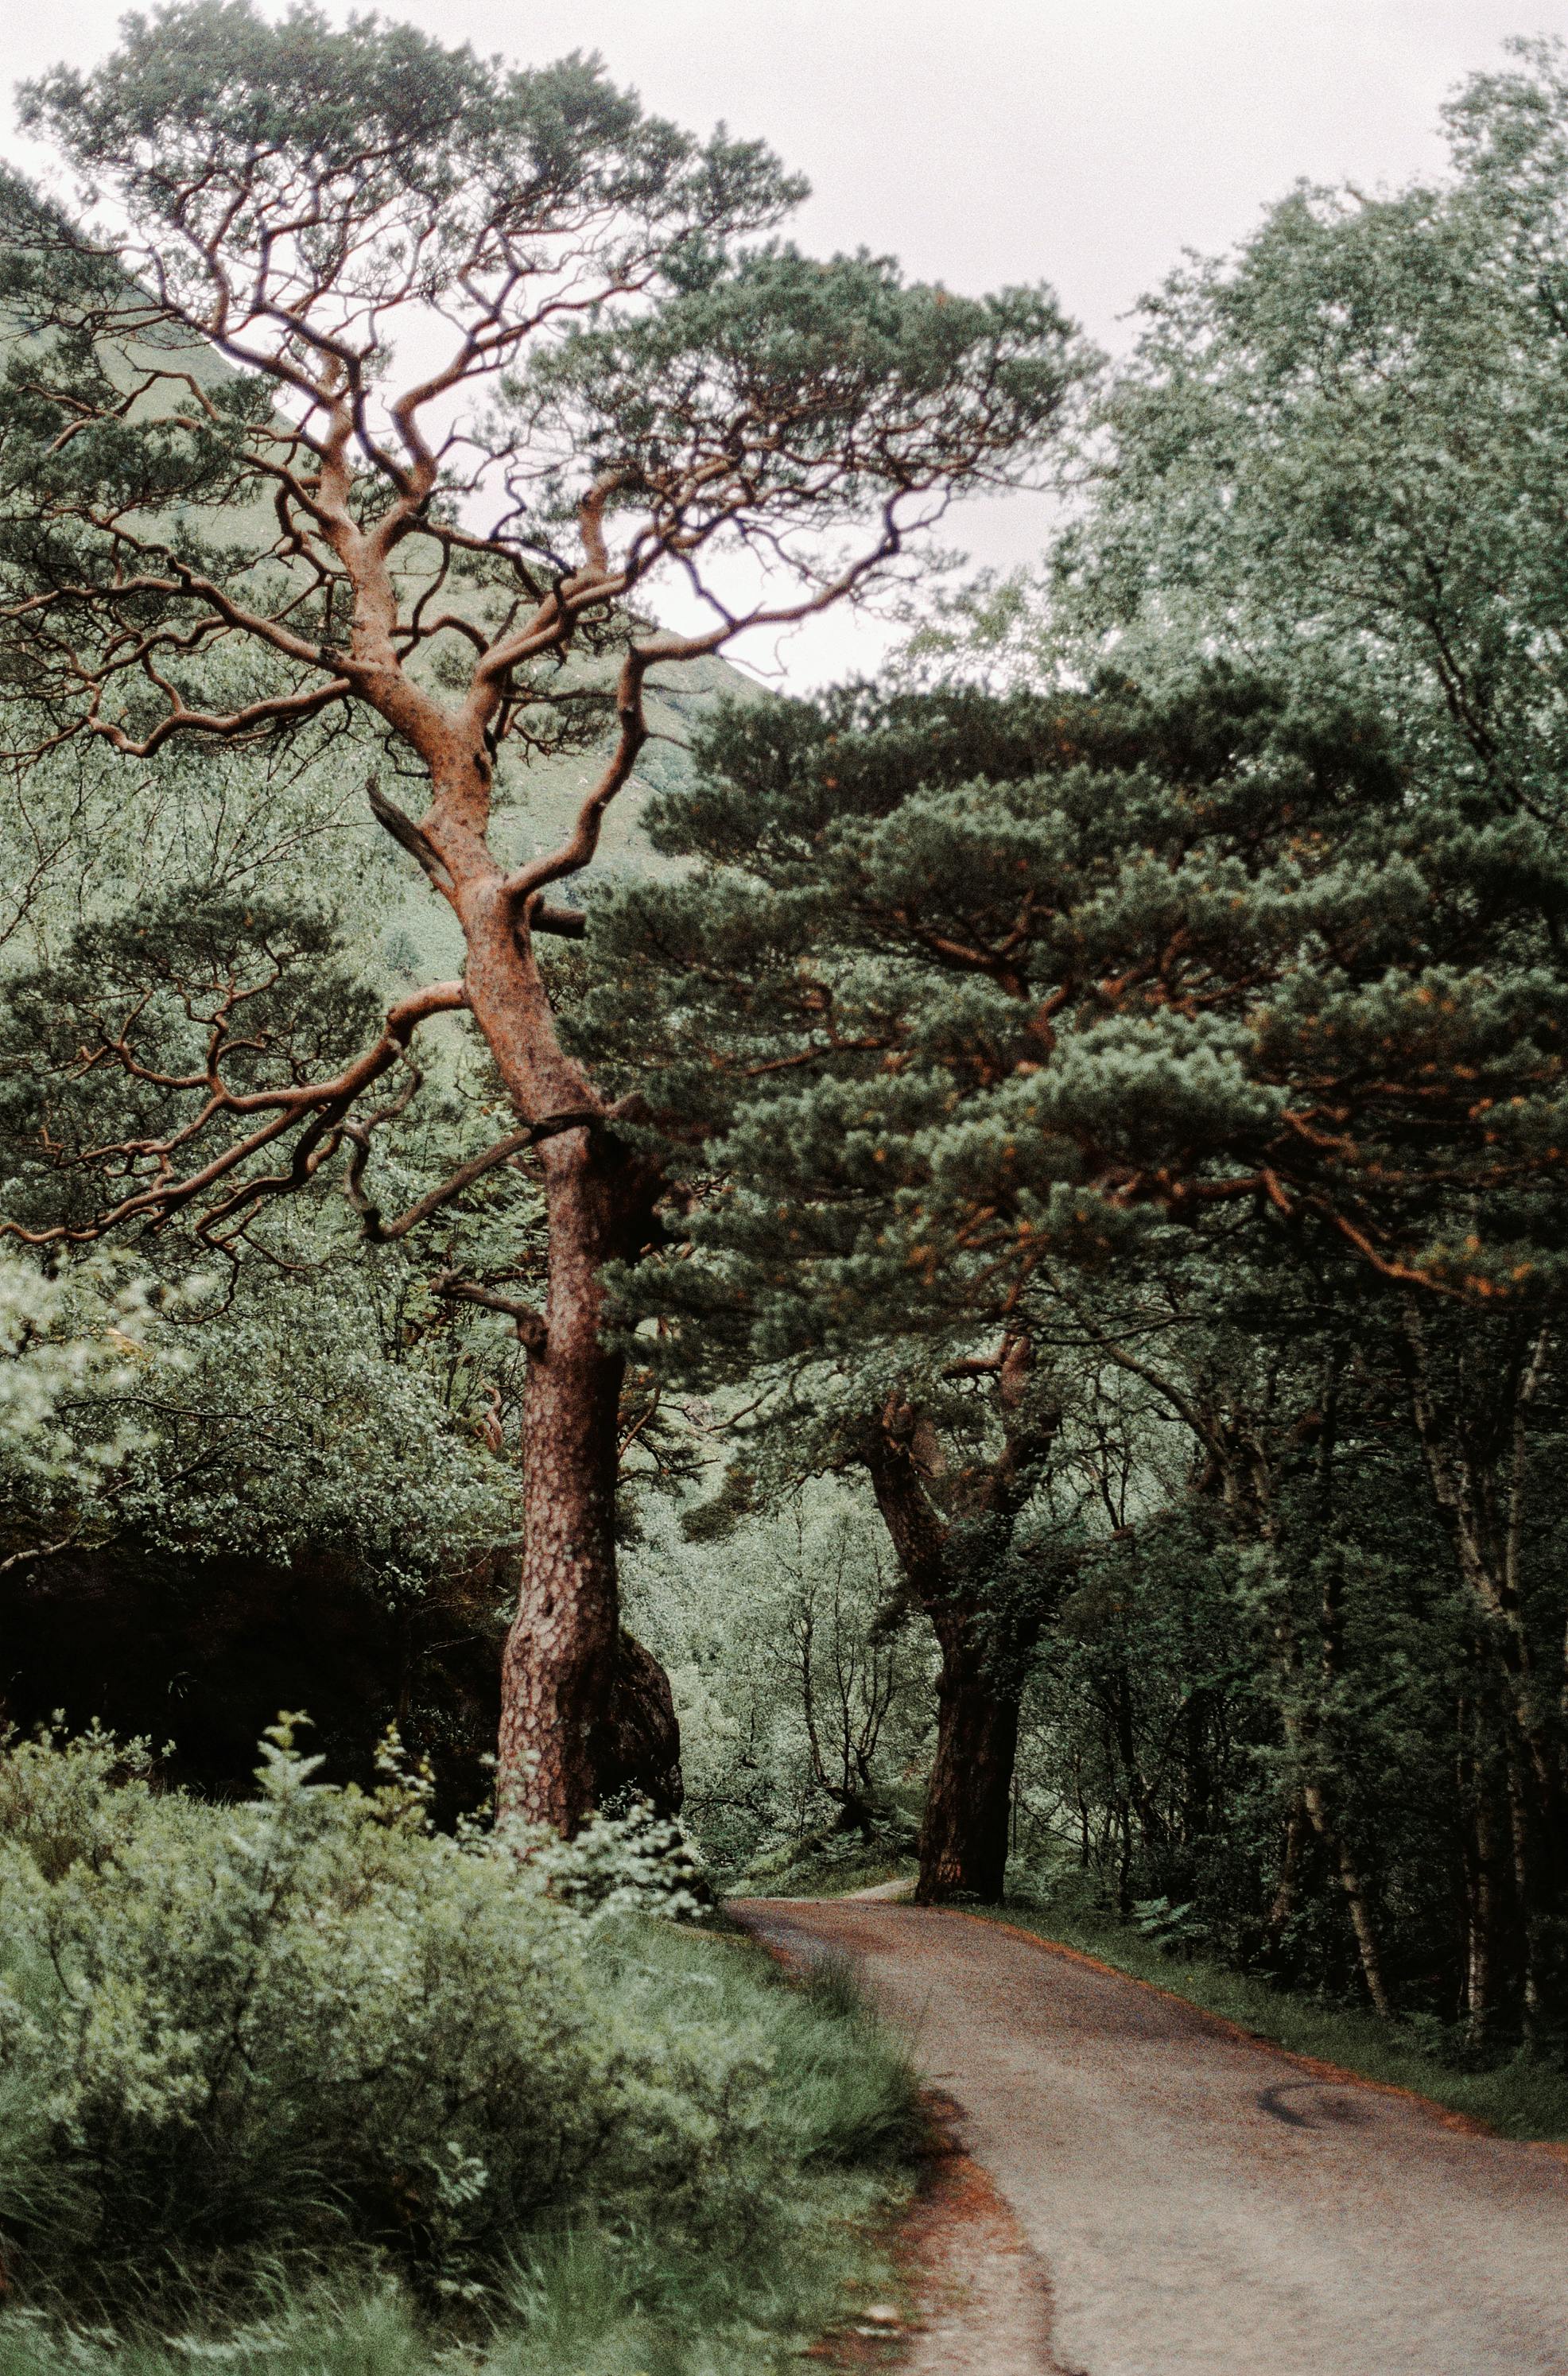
x: 1204, y: 2205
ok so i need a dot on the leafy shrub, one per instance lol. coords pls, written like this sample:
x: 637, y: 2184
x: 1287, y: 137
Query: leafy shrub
x: 258, y: 2061
x: 57, y: 1807
x: 1172, y: 1928
x: 230, y: 2028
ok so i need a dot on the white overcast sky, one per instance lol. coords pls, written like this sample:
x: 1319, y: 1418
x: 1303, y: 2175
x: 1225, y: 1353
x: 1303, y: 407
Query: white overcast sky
x: 1085, y: 142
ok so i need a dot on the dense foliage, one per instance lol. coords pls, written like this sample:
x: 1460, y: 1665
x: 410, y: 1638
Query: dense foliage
x: 1238, y: 908
x: 1028, y: 1212
x: 803, y: 1689
x: 304, y: 2039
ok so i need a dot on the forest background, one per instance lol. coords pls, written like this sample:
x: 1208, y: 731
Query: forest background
x: 1081, y: 1356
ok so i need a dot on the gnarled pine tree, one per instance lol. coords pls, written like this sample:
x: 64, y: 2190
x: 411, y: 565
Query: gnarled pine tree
x: 968, y: 988
x: 232, y: 509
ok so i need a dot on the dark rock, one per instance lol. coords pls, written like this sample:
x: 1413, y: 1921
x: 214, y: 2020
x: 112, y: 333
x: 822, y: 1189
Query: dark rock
x: 639, y: 1747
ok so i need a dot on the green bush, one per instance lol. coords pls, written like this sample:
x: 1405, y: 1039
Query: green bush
x: 259, y: 2062
x: 235, y: 2030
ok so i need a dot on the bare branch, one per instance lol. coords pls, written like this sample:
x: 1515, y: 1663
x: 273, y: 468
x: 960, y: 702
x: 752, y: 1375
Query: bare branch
x: 529, y: 1323
x: 382, y: 1232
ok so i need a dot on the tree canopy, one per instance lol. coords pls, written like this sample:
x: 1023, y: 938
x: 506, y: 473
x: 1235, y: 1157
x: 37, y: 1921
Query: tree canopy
x: 1029, y: 1203
x: 965, y: 983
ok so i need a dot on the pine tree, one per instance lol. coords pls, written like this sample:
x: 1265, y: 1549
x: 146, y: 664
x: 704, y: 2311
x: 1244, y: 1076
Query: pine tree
x: 969, y: 994
x: 231, y: 508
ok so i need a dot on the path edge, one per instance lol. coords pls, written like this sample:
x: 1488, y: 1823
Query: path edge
x: 954, y: 2200
x: 1465, y: 2123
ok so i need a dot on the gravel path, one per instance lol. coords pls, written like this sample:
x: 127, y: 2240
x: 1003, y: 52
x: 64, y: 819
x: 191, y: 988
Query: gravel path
x: 1203, y: 2206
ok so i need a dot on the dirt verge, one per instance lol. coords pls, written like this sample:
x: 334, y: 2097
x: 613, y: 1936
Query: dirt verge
x: 975, y: 2299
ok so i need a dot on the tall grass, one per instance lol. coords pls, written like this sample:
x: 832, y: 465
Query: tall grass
x: 298, y: 2087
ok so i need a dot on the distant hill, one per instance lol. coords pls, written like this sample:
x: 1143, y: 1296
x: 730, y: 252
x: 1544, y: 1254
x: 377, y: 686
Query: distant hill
x: 542, y: 798
x: 678, y: 698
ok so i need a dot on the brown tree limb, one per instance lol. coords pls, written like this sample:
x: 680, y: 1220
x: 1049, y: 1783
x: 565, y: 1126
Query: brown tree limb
x: 527, y: 1321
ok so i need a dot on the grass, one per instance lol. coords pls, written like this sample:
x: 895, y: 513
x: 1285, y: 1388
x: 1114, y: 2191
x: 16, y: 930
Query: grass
x: 1523, y: 2098
x: 297, y: 2085
x: 837, y: 1875
x: 592, y: 2303
x: 613, y: 2292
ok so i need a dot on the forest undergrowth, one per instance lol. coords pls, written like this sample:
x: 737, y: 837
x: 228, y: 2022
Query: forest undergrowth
x: 299, y: 2084
x: 830, y: 1873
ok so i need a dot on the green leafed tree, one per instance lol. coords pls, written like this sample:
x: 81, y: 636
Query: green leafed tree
x: 968, y: 991
x: 1338, y: 451
x: 390, y: 386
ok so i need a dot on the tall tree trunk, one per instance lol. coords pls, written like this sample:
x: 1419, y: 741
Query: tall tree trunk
x: 1300, y: 1720
x: 559, y: 1665
x: 1331, y: 1656
x: 1357, y: 1898
x: 1527, y: 1890
x: 1467, y: 1493
x: 1153, y: 1829
x: 1482, y: 1879
x: 1287, y: 1889
x: 963, y: 1844
x: 1476, y: 1453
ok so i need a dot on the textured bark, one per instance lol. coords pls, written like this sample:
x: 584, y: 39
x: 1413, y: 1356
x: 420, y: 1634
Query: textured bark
x: 963, y: 1844
x: 559, y: 1666
x: 560, y: 1662
x: 1357, y: 1897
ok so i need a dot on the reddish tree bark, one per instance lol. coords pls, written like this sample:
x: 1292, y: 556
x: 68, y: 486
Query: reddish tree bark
x: 429, y: 554
x: 560, y: 1659
x: 963, y: 1841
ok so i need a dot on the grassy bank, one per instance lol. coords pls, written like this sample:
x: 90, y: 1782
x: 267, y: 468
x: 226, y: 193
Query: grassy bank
x: 830, y: 1876
x: 1519, y: 2099
x: 300, y: 2086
